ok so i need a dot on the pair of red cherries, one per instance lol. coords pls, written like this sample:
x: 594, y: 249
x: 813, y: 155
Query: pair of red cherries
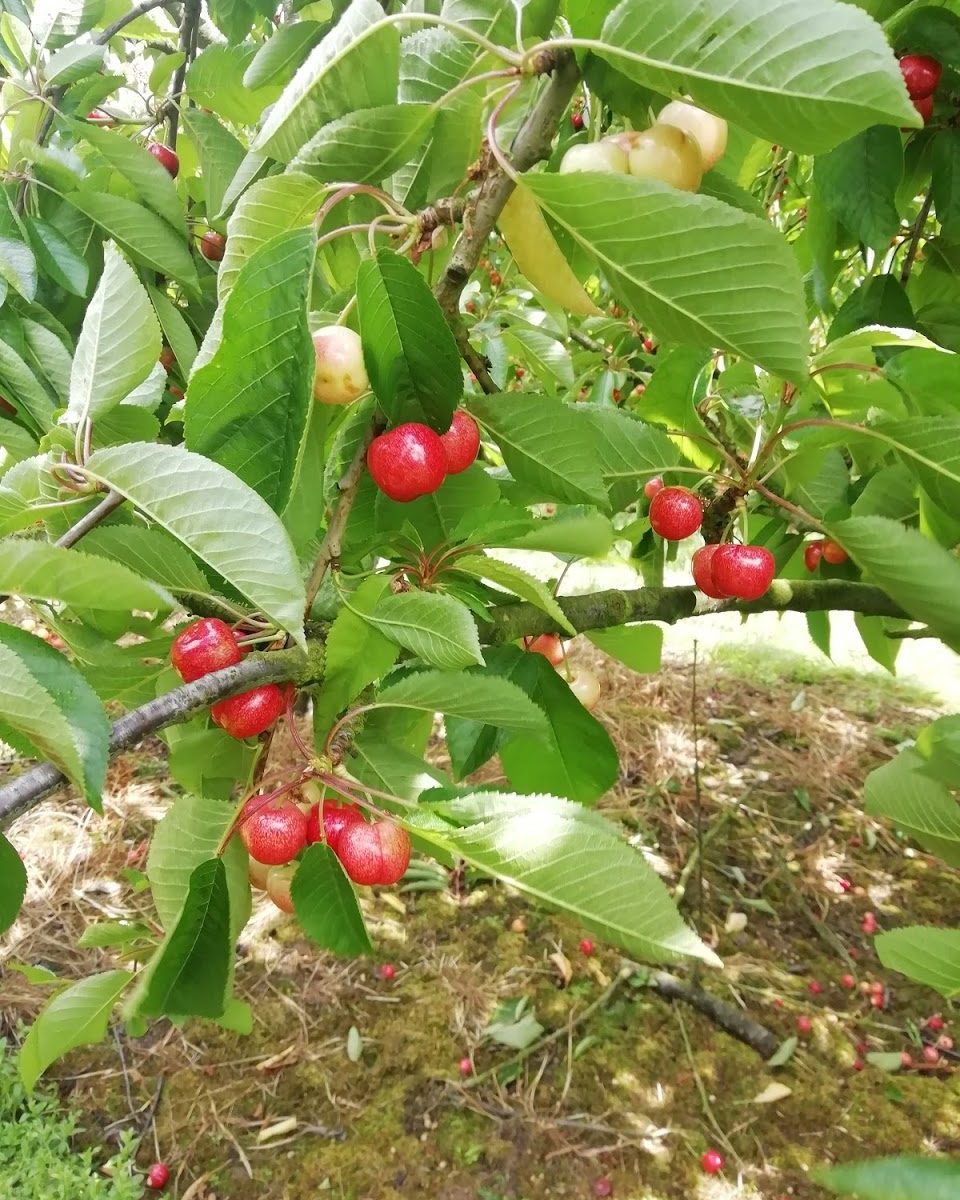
x: 412, y: 460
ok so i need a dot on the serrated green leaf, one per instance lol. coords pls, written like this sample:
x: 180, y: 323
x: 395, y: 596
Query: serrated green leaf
x: 434, y: 627
x: 189, y: 973
x: 248, y: 408
x: 930, y: 448
x: 18, y: 267
x: 922, y: 807
x: 517, y: 581
x: 475, y: 696
x: 365, y: 146
x: 784, y: 69
x: 926, y: 955
x: 22, y: 388
x: 638, y: 647
x: 282, y: 53
x: 410, y: 353
x: 332, y: 81
x: 391, y: 768
x: 215, y: 81
x: 81, y: 747
x: 237, y: 535
x: 629, y: 452
x: 544, y: 444
x: 118, y: 345
x: 74, y: 63
x: 152, y: 181
x: 900, y: 1178
x: 753, y: 304
x: 13, y: 884
x: 41, y: 571
x: 326, y: 904
x: 77, y: 1016
x: 58, y: 257
x: 220, y: 155
x: 858, y: 182
x: 151, y: 553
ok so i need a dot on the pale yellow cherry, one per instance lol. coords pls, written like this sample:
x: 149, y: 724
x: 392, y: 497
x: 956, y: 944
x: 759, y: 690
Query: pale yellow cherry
x: 666, y: 153
x: 340, y: 376
x: 586, y: 687
x: 710, y: 131
x: 595, y: 156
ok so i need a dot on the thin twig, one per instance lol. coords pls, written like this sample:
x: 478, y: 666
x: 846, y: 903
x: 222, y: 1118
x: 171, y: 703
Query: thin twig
x: 914, y: 247
x: 188, y: 48
x: 107, y: 505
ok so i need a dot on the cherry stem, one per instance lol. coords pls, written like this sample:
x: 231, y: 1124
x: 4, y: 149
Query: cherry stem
x: 298, y: 741
x: 241, y: 817
x: 347, y: 716
x: 345, y: 190
x: 869, y: 368
x: 504, y: 163
x: 360, y: 227
x: 503, y: 73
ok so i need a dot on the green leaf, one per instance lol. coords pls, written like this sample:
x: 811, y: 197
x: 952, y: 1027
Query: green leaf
x: 238, y: 536
x: 220, y: 154
x: 517, y: 581
x: 151, y: 553
x: 924, y: 954
x: 858, y: 182
x: 326, y: 904
x: 930, y: 448
x: 550, y: 854
x: 77, y: 1016
x: 176, y: 332
x: 118, y: 344
x: 13, y: 884
x: 545, y: 445
x: 279, y: 57
x: 915, y: 572
x: 189, y: 973
x: 474, y: 696
x: 902, y: 792
x: 215, y: 81
x: 945, y: 162
x: 638, y: 647
x: 357, y: 654
x: 939, y: 744
x: 434, y: 627
x: 336, y: 79
x: 42, y: 571
x: 55, y: 22
x: 21, y: 387
x: 900, y: 1178
x: 207, y: 762
x: 143, y: 235
x: 189, y: 835
x: 546, y: 358
x: 234, y: 17
x: 365, y: 146
x: 150, y: 179
x: 584, y: 533
x: 79, y: 732
x: 18, y: 267
x: 753, y: 303
x: 391, y: 768
x: 783, y: 69
x: 57, y: 256
x: 248, y: 408
x: 74, y: 63
x: 410, y: 353
x: 874, y: 635
x: 629, y: 452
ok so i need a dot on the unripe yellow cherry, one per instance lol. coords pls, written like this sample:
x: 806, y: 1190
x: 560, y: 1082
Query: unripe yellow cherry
x: 666, y: 153
x: 595, y: 156
x: 340, y: 376
x: 586, y: 687
x: 710, y: 131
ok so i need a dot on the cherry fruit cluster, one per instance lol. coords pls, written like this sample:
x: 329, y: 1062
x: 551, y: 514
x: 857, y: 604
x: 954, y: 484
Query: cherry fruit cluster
x: 411, y: 460
x: 732, y: 571
x: 831, y: 552
x: 677, y: 149
x: 209, y: 645
x: 276, y: 831
x: 921, y: 74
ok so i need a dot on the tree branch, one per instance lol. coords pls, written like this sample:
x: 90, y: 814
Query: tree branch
x: 730, y: 1019
x: 531, y: 144
x: 188, y: 46
x: 111, y: 501
x: 28, y: 789
x: 128, y: 18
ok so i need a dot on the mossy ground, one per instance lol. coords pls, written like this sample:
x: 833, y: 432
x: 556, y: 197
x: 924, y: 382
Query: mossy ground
x: 639, y: 1089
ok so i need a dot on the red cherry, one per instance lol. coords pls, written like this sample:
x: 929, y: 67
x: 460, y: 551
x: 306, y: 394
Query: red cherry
x: 603, y: 1186
x: 167, y: 358
x: 257, y: 874
x: 649, y: 346
x: 815, y: 987
x: 375, y: 853
x: 935, y: 1023
x: 944, y: 1042
x: 877, y: 988
x: 906, y: 1060
x: 812, y: 553
x: 520, y: 372
x: 576, y: 120
x: 461, y: 442
x: 702, y: 567
x: 804, y: 1026
x: 616, y: 395
x: 931, y: 1054
x: 743, y: 571
x: 878, y: 1000
x: 99, y: 117
x: 407, y: 462
x: 924, y: 107
x: 858, y: 1064
x: 213, y: 245
x: 251, y: 713
x: 834, y: 553
x: 336, y: 818
x: 157, y: 1176
x: 466, y: 1066
x: 471, y: 308
x: 713, y: 1162
x: 847, y: 982
x: 869, y: 923
x: 388, y: 972
x: 278, y: 887
x: 587, y: 947
x: 495, y: 279
x: 778, y: 1003
x: 547, y: 644
x: 165, y: 157
x: 845, y: 885
x: 675, y: 513
x: 204, y: 646
x: 639, y: 389
x: 275, y: 833
x: 652, y: 486
x: 921, y: 74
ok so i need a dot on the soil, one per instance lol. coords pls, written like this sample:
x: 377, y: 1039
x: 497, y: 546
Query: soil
x: 349, y: 1085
